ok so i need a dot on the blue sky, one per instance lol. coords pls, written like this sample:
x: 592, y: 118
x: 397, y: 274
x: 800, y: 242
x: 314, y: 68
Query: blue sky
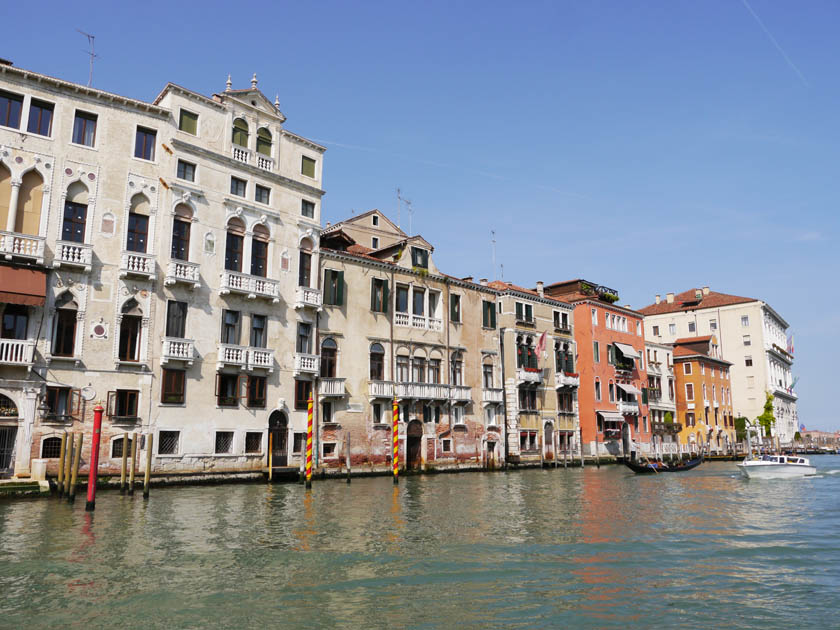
x: 650, y: 148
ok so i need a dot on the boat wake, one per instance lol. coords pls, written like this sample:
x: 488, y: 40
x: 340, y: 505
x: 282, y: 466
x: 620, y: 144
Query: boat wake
x: 836, y: 471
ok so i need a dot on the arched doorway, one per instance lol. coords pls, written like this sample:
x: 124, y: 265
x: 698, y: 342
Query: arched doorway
x: 278, y: 427
x: 413, y: 437
x: 8, y: 433
x: 492, y: 464
x: 548, y: 441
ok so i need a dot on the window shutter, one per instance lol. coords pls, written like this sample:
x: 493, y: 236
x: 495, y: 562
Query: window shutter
x: 519, y: 311
x: 75, y: 403
x: 485, y: 318
x: 218, y: 382
x: 373, y: 305
x: 644, y: 395
x: 109, y: 406
x: 492, y: 315
x: 386, y: 299
x: 339, y: 288
x: 453, y: 314
x: 529, y: 313
x: 242, y: 387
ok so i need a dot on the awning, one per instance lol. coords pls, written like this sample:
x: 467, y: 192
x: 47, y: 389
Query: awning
x: 22, y: 286
x: 611, y: 416
x: 629, y: 389
x: 627, y: 351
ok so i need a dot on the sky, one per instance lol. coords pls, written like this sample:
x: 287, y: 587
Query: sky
x: 650, y: 146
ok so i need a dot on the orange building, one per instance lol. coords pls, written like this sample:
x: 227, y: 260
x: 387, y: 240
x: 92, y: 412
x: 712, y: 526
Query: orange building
x: 610, y: 346
x: 704, y: 397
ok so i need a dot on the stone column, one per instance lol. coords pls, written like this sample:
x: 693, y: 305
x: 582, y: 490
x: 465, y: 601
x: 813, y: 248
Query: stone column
x: 26, y: 414
x: 11, y: 219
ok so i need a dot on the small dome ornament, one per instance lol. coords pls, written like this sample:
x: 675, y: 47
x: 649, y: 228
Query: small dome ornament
x: 254, y: 81
x: 228, y: 84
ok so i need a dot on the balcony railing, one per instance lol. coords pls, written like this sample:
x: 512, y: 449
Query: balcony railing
x: 425, y: 391
x: 241, y: 154
x: 73, y: 255
x: 381, y: 389
x: 307, y: 363
x: 251, y: 286
x: 402, y: 319
x: 232, y: 355
x: 654, y: 394
x: 182, y: 271
x: 628, y: 408
x: 264, y: 162
x: 178, y: 350
x: 492, y: 395
x: 262, y: 358
x: 307, y: 296
x: 331, y: 387
x: 563, y: 329
x: 662, y: 428
x: 14, y: 245
x: 461, y: 393
x: 17, y: 351
x: 565, y: 379
x: 137, y: 264
x: 529, y: 375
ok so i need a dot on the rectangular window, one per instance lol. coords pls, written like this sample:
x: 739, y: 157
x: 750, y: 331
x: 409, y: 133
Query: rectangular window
x: 419, y: 257
x: 333, y: 287
x: 122, y: 405
x: 304, y: 269
x: 687, y: 368
x: 402, y: 299
x: 224, y: 442
x: 524, y: 312
x: 376, y: 413
x: 488, y: 314
x: 84, y: 129
x: 256, y: 392
x: 748, y: 361
x: 596, y: 352
x: 594, y: 317
x: 307, y: 166
x: 298, y: 442
x: 747, y: 341
x: 168, y: 442
x: 186, y: 171
x: 11, y: 106
x: 258, y: 336
x: 374, y: 242
x: 40, y: 117
x: 455, y: 308
x: 262, y: 194
x: 259, y: 256
x: 144, y: 143
x: 656, y: 331
x: 712, y: 324
x: 138, y: 232
x: 689, y: 419
x: 672, y: 329
x: 419, y: 301
x: 303, y: 344
x: 745, y: 320
x: 689, y: 391
x: 180, y: 239
x: 176, y: 319
x: 639, y: 329
x: 326, y: 412
x: 691, y: 327
x: 227, y: 390
x: 238, y: 186
x: 64, y: 340
x: 307, y: 209
x: 173, y: 386
x: 379, y: 295
x: 253, y: 442
x: 129, y: 344
x: 597, y: 390
x: 230, y: 327
x: 303, y: 389
x: 62, y: 403
x: 434, y: 370
x: 188, y: 121
x: 73, y: 225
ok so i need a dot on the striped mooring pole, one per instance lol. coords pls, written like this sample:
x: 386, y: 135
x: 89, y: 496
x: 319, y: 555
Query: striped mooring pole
x: 395, y: 434
x: 309, y: 443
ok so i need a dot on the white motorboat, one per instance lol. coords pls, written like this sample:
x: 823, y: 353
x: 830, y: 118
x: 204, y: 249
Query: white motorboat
x: 776, y: 467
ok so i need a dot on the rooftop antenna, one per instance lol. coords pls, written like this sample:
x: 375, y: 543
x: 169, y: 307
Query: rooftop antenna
x: 493, y: 246
x: 399, y: 208
x: 91, y: 54
x: 410, y: 214
x: 502, y: 267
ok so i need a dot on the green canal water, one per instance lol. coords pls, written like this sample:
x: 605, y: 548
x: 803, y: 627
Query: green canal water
x: 533, y: 549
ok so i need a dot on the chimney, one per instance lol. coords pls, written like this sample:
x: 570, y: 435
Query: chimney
x: 669, y: 297
x: 467, y: 279
x: 706, y: 290
x: 540, y: 289
x: 483, y: 282
x: 658, y: 298
x: 698, y: 294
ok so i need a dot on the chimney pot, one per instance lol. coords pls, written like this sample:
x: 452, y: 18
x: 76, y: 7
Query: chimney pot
x: 540, y: 288
x: 669, y: 298
x: 483, y: 282
x: 706, y: 290
x: 467, y: 279
x: 658, y: 298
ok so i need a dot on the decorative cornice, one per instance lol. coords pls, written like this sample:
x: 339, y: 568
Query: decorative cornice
x: 303, y: 141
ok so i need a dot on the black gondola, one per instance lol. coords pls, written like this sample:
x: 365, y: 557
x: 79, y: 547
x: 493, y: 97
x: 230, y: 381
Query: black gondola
x: 651, y: 468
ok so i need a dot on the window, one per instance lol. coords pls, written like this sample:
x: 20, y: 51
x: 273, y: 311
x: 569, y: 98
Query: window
x: 402, y: 369
x: 181, y: 225
x: 445, y: 445
x: 10, y: 109
x: 419, y: 301
x: 597, y: 389
x: 458, y: 415
x: 594, y: 317
x: 702, y: 368
x: 122, y: 405
x: 298, y: 442
x: 377, y: 362
x: 172, y: 388
x: 239, y: 134
x: 326, y: 412
x: 379, y: 295
x: 307, y: 209
x: 234, y: 244
x: 144, y: 143
x: 333, y: 287
x: 303, y: 390
x: 487, y: 372
x: 188, y: 122
x: 329, y: 450
x: 230, y: 327
x: 656, y: 331
x: 129, y: 345
x: 457, y: 365
x: 264, y: 141
x: 256, y: 392
x: 227, y: 390
x: 691, y: 327
x: 375, y: 219
x: 455, y: 308
x: 672, y: 329
x: 402, y: 299
x: 747, y: 341
x: 186, y: 171
x: 596, y: 352
x: 238, y: 186
x: 304, y: 338
x: 84, y: 129
x: 15, y: 322
x: 73, y: 226
x: 168, y: 442
x: 176, y: 319
x: 376, y: 413
x: 224, y: 442
x: 712, y: 324
x: 374, y: 242
x: 689, y: 419
x: 611, y: 388
x: 689, y: 391
x: 686, y: 368
x: 253, y: 442
x: 527, y: 440
x: 258, y: 336
x: 419, y: 258
x: 63, y: 403
x: 307, y: 166
x: 524, y: 312
x: 745, y: 320
x: 259, y: 251
x: 639, y: 328
x: 305, y: 269
x: 64, y: 339
x: 40, y: 117
x: 329, y: 352
x: 748, y: 361
x: 117, y: 447
x: 262, y: 194
x: 527, y: 399
x: 138, y: 231
x: 51, y: 447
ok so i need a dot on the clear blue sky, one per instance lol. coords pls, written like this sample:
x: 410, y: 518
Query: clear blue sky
x: 651, y: 148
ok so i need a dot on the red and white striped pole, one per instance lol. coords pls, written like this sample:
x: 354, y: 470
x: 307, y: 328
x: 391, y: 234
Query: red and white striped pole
x: 94, y: 458
x: 309, y: 443
x: 395, y: 433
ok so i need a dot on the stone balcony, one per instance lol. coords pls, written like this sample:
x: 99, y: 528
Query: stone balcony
x: 22, y: 246
x: 241, y: 154
x: 68, y: 254
x: 230, y: 354
x: 176, y: 349
x: 628, y: 408
x: 420, y: 322
x: 460, y: 393
x: 307, y: 363
x: 328, y: 387
x: 17, y: 352
x: 137, y: 264
x: 380, y: 389
x: 261, y: 358
x: 264, y: 162
x: 307, y: 297
x: 251, y: 286
x: 184, y: 272
x: 566, y: 379
x: 423, y: 391
x: 492, y: 395
x: 529, y: 375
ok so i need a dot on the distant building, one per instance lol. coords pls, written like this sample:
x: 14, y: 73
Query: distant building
x: 661, y: 392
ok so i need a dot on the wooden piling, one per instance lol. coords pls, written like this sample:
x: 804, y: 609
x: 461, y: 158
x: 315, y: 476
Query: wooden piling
x: 150, y: 439
x: 597, y: 454
x: 582, y: 459
x: 124, y: 462
x: 270, y: 454
x: 68, y: 462
x: 60, y: 479
x: 133, y: 464
x: 77, y: 456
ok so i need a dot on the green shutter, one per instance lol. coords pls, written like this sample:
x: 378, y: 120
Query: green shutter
x: 453, y: 311
x: 529, y: 313
x: 519, y: 311
x: 339, y: 288
x: 386, y: 297
x: 373, y: 294
x: 492, y: 310
x: 307, y: 166
x: 188, y: 122
x: 485, y: 318
x: 644, y: 395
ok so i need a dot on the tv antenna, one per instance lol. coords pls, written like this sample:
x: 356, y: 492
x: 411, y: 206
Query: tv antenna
x: 400, y: 201
x: 493, y: 247
x: 91, y: 53
x: 410, y: 215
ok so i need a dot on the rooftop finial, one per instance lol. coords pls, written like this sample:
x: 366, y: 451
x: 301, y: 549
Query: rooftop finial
x: 228, y: 84
x: 277, y: 102
x: 254, y: 81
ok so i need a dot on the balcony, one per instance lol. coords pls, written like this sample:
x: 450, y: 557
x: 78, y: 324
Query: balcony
x: 264, y: 162
x: 624, y: 370
x: 137, y: 264
x: 308, y: 297
x: 664, y: 428
x: 492, y: 395
x: 261, y: 358
x: 241, y: 154
x: 250, y: 286
x: 182, y: 271
x: 778, y: 390
x: 175, y: 349
x: 628, y: 408
x: 380, y: 389
x: 423, y: 391
x: 331, y: 387
x: 529, y: 375
x: 654, y: 394
x: 307, y: 363
x: 14, y: 245
x: 566, y: 379
x: 653, y: 367
x: 459, y: 393
x: 17, y: 352
x: 402, y: 319
x: 232, y: 355
x: 69, y: 254
x: 563, y: 329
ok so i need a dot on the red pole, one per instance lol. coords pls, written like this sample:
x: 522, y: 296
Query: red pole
x: 395, y: 435
x: 94, y: 458
x: 309, y: 443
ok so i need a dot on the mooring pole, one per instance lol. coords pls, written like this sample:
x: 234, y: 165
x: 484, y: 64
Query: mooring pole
x: 133, y: 464
x: 270, y: 454
x: 395, y: 434
x: 309, y: 443
x: 77, y: 456
x: 94, y: 458
x: 348, y: 457
x: 597, y: 454
x: 150, y: 439
x: 124, y: 461
x: 68, y: 464
x: 60, y: 479
x: 582, y: 462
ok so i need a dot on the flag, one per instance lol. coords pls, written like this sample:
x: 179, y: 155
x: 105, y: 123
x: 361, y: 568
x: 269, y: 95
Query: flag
x: 801, y: 427
x: 541, y: 345
x: 790, y: 344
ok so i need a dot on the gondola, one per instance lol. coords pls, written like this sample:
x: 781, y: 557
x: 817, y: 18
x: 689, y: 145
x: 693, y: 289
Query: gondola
x: 652, y: 468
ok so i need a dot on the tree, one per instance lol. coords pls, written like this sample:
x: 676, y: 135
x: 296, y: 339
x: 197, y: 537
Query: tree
x: 669, y: 417
x: 797, y: 437
x: 767, y: 420
x: 741, y: 428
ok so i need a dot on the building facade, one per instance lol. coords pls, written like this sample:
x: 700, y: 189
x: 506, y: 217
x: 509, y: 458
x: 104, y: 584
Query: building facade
x: 661, y: 396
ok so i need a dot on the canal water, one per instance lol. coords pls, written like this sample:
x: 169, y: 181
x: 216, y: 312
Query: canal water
x: 534, y: 549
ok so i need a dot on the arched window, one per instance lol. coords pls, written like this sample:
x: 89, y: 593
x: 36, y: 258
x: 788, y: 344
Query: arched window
x: 418, y: 367
x: 264, y: 141
x: 329, y: 350
x: 597, y: 388
x: 117, y: 447
x: 28, y: 217
x: 403, y: 365
x: 434, y: 366
x: 259, y: 251
x: 377, y: 362
x: 612, y: 391
x: 487, y: 373
x: 240, y: 133
x: 130, y: 324
x: 51, y: 448
x: 181, y: 224
x: 138, y: 224
x: 457, y: 368
x: 305, y: 266
x: 75, y: 213
x: 234, y: 244
x: 521, y: 353
x: 64, y: 330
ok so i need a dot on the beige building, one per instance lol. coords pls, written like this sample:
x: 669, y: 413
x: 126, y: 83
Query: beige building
x: 661, y: 396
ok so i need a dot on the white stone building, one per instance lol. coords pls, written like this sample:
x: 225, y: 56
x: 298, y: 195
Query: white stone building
x: 752, y: 336
x: 660, y: 391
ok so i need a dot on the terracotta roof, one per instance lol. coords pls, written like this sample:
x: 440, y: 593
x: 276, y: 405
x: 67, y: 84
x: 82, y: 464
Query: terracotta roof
x: 706, y: 338
x: 687, y: 301
x: 359, y: 249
